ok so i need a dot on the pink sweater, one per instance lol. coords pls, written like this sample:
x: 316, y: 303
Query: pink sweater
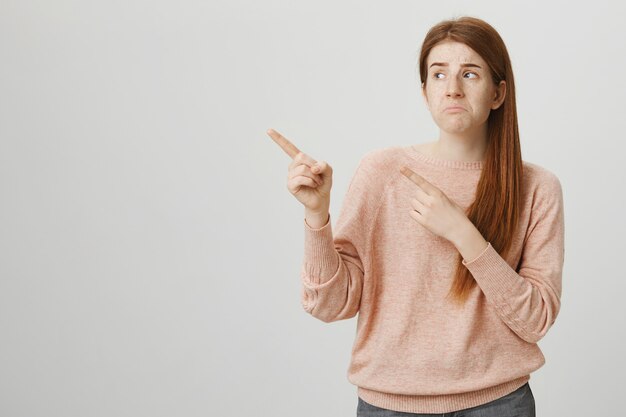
x: 414, y: 351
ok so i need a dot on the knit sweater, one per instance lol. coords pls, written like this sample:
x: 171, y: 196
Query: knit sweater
x: 414, y: 351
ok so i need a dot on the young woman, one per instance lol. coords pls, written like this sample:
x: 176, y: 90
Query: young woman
x: 451, y: 251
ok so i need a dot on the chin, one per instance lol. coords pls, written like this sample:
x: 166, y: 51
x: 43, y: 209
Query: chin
x: 456, y: 128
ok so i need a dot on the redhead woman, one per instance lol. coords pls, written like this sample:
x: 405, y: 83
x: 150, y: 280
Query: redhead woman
x: 450, y: 251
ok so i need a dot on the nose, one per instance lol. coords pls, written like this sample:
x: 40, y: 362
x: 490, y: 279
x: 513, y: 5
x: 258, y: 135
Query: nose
x: 453, y: 88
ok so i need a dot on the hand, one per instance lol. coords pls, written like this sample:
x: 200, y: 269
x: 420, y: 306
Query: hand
x: 434, y: 210
x: 308, y: 180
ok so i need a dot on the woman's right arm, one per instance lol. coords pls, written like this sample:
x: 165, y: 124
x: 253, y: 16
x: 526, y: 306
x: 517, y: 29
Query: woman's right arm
x: 332, y: 270
x: 337, y: 258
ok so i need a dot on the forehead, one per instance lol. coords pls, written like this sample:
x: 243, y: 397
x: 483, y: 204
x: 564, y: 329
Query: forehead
x: 454, y: 53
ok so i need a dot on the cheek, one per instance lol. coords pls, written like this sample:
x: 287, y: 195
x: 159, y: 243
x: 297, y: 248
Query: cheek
x: 486, y: 103
x: 433, y: 89
x: 479, y: 100
x: 487, y: 95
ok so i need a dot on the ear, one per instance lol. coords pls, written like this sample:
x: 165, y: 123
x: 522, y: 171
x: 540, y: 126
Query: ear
x: 499, y: 95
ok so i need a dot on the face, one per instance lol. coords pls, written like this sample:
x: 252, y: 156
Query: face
x: 460, y: 77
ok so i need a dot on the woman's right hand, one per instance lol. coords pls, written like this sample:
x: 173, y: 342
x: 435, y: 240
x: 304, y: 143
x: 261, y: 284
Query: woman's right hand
x: 308, y: 180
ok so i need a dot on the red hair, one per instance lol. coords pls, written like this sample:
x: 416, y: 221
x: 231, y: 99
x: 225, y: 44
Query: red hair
x: 495, y: 210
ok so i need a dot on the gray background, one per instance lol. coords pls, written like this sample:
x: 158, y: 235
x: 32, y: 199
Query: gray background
x: 149, y: 249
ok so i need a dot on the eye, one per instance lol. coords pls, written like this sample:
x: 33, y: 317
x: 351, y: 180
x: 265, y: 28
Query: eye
x: 436, y: 73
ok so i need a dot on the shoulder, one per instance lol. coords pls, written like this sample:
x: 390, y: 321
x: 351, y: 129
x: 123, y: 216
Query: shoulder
x: 382, y: 159
x: 540, y: 179
x: 541, y: 187
x: 376, y: 168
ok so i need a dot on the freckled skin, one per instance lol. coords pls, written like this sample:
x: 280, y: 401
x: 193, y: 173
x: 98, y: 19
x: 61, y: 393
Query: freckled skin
x: 463, y: 134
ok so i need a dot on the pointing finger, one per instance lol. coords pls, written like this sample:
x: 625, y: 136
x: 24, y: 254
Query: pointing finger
x: 285, y: 144
x: 419, y: 180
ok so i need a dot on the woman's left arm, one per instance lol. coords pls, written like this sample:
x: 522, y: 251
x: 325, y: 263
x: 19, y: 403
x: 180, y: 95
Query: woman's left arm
x: 528, y: 300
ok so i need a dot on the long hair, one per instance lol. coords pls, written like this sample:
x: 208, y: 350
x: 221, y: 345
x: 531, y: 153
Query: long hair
x: 495, y: 209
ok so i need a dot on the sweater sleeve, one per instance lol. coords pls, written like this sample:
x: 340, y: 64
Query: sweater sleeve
x: 528, y: 300
x: 335, y: 264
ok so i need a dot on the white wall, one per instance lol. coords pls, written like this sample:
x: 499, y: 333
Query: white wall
x: 149, y: 249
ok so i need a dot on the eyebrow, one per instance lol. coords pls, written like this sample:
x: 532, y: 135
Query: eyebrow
x: 445, y: 64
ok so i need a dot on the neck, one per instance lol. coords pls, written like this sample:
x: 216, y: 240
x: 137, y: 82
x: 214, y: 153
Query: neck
x: 467, y: 146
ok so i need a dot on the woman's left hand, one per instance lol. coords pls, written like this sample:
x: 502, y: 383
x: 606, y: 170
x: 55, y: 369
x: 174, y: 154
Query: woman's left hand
x: 434, y: 210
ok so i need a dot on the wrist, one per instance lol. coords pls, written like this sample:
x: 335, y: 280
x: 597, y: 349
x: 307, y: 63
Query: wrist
x: 316, y: 219
x: 318, y: 212
x: 470, y: 242
x: 463, y: 233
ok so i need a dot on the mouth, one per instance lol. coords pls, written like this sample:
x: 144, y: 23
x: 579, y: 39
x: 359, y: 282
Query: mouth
x: 454, y: 108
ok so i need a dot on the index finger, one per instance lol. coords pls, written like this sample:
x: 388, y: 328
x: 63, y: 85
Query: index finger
x: 418, y: 179
x: 282, y: 141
